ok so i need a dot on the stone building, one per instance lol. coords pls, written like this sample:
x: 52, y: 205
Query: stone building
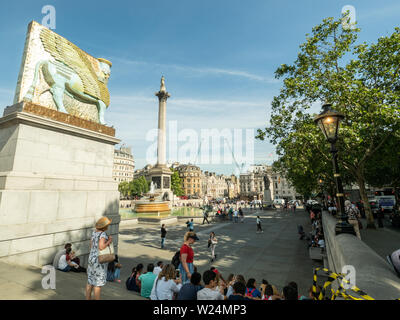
x: 281, y: 188
x: 252, y: 183
x: 124, y: 165
x: 214, y: 186
x: 233, y: 184
x: 191, y: 179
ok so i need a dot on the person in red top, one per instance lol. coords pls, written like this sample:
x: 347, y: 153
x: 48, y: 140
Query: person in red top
x: 186, y: 267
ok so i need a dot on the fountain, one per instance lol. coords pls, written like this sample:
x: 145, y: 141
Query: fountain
x: 152, y: 203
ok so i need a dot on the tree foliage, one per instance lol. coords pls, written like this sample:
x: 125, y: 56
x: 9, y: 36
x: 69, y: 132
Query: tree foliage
x: 134, y: 188
x: 176, y: 183
x: 361, y: 81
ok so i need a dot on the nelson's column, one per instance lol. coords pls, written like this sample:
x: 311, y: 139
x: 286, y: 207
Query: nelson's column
x: 160, y: 174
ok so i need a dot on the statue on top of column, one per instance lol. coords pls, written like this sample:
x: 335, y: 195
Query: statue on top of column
x: 162, y: 87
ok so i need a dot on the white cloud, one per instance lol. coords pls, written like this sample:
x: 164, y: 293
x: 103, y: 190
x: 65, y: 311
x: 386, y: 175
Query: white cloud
x: 201, y: 70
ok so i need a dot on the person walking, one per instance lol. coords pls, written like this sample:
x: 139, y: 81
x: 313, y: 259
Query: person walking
x: 212, y: 243
x: 190, y: 225
x: 236, y: 216
x: 205, y: 216
x: 96, y: 271
x: 259, y: 228
x: 352, y: 215
x: 186, y: 266
x: 241, y: 214
x: 163, y: 235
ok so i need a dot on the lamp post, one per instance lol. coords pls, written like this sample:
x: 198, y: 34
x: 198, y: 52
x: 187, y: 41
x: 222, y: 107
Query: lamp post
x: 329, y: 120
x: 321, y: 186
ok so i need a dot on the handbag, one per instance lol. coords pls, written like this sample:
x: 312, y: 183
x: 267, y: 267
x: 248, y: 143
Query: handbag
x: 107, y: 254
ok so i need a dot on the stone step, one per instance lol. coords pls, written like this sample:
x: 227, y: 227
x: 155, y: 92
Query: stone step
x: 25, y: 282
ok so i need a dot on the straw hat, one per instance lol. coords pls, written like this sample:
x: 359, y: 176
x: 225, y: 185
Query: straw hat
x: 103, y: 222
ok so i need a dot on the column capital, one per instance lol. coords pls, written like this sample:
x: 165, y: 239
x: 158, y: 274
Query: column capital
x: 162, y: 95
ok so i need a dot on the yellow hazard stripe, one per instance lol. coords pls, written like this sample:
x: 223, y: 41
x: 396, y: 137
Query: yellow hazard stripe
x: 341, y: 291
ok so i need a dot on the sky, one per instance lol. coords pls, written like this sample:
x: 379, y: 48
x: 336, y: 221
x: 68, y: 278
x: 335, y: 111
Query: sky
x: 218, y: 58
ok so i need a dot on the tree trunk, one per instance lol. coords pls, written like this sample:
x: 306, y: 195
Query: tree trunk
x: 397, y: 196
x: 364, y: 198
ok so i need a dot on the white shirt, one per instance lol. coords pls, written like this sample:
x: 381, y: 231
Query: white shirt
x: 209, y: 294
x: 57, y: 258
x: 62, y: 263
x: 258, y: 220
x: 157, y: 270
x: 165, y: 289
x: 230, y: 291
x: 321, y: 243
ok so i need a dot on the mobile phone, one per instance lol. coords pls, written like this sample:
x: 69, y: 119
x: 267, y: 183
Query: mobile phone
x: 177, y: 273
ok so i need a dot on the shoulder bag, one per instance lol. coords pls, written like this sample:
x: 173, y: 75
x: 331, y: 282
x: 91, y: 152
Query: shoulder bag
x: 107, y: 254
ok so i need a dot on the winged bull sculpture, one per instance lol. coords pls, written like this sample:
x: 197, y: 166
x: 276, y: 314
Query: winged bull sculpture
x: 71, y: 72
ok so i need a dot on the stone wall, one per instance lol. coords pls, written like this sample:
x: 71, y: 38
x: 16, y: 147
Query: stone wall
x: 373, y: 274
x: 55, y: 182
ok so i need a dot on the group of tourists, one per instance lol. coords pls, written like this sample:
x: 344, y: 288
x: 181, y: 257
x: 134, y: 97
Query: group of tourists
x: 231, y: 213
x: 180, y: 280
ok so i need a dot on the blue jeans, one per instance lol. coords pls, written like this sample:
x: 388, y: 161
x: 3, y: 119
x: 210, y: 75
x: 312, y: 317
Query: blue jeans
x: 162, y: 242
x: 66, y: 269
x: 185, y: 279
x: 117, y: 273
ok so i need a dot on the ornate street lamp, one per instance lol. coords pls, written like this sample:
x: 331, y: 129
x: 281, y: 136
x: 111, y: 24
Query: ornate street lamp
x: 329, y: 120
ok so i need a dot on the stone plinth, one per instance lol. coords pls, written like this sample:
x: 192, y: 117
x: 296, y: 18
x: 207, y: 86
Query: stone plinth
x: 161, y: 176
x: 55, y: 182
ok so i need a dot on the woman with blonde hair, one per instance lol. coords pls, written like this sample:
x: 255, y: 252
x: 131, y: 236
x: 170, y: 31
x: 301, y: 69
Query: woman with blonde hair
x: 166, y: 284
x: 96, y: 271
x: 186, y: 267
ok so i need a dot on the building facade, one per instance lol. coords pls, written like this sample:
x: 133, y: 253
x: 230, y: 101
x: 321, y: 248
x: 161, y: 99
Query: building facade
x: 252, y: 183
x: 281, y: 188
x: 191, y: 179
x: 124, y: 165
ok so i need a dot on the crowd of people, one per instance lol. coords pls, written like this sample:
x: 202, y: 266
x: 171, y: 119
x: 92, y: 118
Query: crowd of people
x: 178, y: 279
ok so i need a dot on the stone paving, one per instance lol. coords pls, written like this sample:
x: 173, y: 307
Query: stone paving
x: 382, y: 240
x: 276, y: 255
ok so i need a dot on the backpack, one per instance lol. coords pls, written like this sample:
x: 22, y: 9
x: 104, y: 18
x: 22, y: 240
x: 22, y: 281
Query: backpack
x: 176, y: 259
x: 131, y: 283
x: 250, y: 293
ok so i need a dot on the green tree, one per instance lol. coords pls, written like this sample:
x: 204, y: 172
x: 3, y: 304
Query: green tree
x: 176, y: 183
x: 304, y: 160
x: 383, y: 169
x: 144, y: 185
x: 361, y: 81
x: 124, y: 189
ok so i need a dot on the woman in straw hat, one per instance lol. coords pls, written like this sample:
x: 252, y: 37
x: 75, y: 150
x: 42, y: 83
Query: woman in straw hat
x: 97, y: 272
